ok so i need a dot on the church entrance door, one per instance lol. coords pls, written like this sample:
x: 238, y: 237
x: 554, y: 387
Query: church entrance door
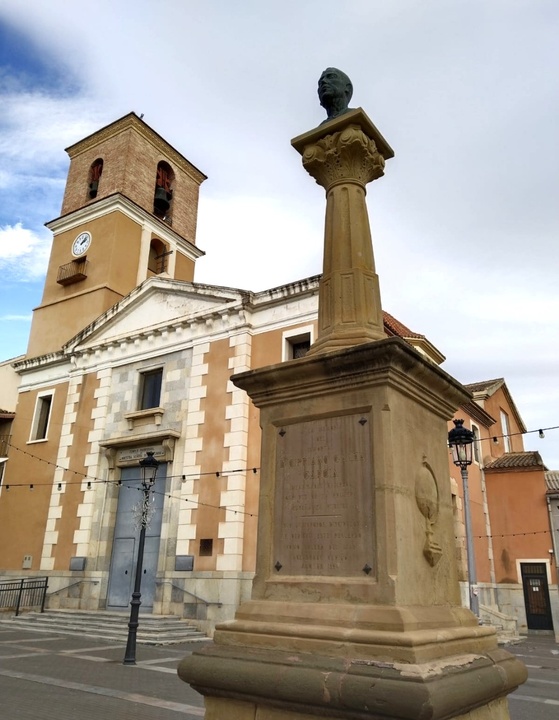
x: 126, y: 537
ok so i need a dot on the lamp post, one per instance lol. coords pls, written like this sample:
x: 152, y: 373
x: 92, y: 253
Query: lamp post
x: 460, y: 441
x: 149, y: 467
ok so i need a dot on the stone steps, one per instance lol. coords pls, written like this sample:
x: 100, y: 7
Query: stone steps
x: 152, y: 629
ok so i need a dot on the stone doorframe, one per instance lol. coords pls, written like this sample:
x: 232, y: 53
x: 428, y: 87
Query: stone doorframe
x: 122, y: 452
x: 162, y: 444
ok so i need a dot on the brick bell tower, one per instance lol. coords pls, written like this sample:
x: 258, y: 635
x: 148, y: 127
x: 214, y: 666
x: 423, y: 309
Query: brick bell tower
x: 129, y: 212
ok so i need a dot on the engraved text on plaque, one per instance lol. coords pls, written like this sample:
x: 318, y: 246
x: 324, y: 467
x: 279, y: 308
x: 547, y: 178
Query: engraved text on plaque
x: 324, y: 513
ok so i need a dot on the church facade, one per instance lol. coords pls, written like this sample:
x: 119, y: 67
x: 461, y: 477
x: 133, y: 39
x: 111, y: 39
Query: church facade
x: 128, y: 355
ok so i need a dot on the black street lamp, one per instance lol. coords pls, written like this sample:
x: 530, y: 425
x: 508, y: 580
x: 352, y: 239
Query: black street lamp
x: 149, y: 467
x: 460, y: 441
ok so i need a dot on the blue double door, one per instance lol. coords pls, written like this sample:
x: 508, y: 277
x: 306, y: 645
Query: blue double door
x: 126, y: 539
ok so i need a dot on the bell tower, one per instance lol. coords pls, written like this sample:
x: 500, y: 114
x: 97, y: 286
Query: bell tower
x: 129, y: 212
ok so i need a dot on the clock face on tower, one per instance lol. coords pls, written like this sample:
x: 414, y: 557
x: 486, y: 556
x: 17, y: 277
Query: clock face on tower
x: 81, y: 244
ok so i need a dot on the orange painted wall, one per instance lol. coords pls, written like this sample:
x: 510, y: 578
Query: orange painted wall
x: 493, y: 405
x: 519, y: 520
x: 24, y: 512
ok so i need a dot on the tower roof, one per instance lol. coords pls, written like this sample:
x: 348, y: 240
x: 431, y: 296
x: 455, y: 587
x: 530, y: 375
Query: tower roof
x: 131, y: 120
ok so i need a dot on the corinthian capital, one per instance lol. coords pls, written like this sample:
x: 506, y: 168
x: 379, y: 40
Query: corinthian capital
x: 348, y: 155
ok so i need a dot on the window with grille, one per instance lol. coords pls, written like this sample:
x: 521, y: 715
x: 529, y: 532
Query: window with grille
x: 296, y: 344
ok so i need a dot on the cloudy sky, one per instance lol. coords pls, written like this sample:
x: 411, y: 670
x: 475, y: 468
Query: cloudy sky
x: 465, y: 222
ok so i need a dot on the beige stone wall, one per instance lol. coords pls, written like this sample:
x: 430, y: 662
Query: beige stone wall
x: 112, y: 268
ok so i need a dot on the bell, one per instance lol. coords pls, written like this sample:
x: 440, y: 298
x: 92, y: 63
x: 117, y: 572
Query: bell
x: 93, y: 188
x: 161, y: 200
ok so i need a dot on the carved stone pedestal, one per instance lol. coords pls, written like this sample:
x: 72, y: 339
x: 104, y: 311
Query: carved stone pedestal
x: 355, y: 611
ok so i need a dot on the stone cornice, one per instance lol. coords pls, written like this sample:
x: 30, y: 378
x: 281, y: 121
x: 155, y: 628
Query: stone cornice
x: 133, y: 122
x: 391, y: 361
x: 163, y: 338
x: 477, y: 413
x: 40, y: 362
x: 120, y: 203
x: 356, y: 116
x: 278, y: 295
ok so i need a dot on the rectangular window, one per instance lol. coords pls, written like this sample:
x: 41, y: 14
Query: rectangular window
x: 150, y: 391
x: 206, y: 547
x: 41, y: 417
x: 477, y: 451
x: 301, y: 348
x: 296, y: 343
x: 505, y: 430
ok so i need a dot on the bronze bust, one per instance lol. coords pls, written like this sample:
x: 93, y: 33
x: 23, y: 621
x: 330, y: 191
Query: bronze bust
x: 334, y: 92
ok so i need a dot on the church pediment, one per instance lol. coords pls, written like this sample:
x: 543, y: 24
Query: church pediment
x: 155, y: 304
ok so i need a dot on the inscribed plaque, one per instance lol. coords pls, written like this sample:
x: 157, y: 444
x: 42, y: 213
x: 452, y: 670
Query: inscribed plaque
x: 323, y: 502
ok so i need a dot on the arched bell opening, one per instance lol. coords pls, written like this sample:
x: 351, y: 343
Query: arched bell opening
x: 163, y: 196
x: 158, y: 257
x: 95, y: 172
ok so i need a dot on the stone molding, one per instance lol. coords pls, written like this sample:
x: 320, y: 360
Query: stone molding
x: 391, y: 361
x: 119, y: 202
x: 346, y: 156
x: 167, y: 438
x: 314, y: 684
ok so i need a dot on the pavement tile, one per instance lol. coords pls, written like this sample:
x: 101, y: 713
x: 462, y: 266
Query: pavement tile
x: 67, y: 677
x: 24, y: 700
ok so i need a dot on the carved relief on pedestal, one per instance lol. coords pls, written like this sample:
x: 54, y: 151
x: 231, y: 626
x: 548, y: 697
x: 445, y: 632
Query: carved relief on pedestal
x: 345, y: 156
x: 427, y: 498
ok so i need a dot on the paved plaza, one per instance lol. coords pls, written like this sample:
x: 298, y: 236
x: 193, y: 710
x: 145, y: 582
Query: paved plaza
x: 57, y: 677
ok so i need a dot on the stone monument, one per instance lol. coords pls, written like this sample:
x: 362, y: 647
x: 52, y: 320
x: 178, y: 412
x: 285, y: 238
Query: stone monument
x: 355, y: 610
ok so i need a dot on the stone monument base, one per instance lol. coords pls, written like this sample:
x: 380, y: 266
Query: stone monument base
x: 355, y: 609
x: 219, y: 709
x: 428, y: 665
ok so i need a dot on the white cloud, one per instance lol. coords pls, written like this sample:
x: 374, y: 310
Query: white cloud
x: 255, y: 242
x: 23, y: 254
x: 36, y: 127
x: 465, y: 221
x: 15, y: 318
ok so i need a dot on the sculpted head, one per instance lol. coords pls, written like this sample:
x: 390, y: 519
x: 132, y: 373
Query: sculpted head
x: 334, y: 91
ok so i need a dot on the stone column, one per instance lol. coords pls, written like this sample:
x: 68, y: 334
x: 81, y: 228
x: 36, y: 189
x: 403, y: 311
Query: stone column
x: 343, y: 156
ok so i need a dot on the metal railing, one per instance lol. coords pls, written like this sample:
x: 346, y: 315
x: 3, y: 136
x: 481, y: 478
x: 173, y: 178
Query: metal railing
x: 25, y: 592
x: 198, y: 599
x: 78, y: 582
x: 72, y: 272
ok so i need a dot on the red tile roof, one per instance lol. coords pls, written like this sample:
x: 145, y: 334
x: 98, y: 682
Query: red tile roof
x: 395, y: 327
x: 552, y: 480
x: 484, y: 385
x: 528, y: 459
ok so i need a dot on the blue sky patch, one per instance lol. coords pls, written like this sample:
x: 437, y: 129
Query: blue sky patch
x: 25, y: 64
